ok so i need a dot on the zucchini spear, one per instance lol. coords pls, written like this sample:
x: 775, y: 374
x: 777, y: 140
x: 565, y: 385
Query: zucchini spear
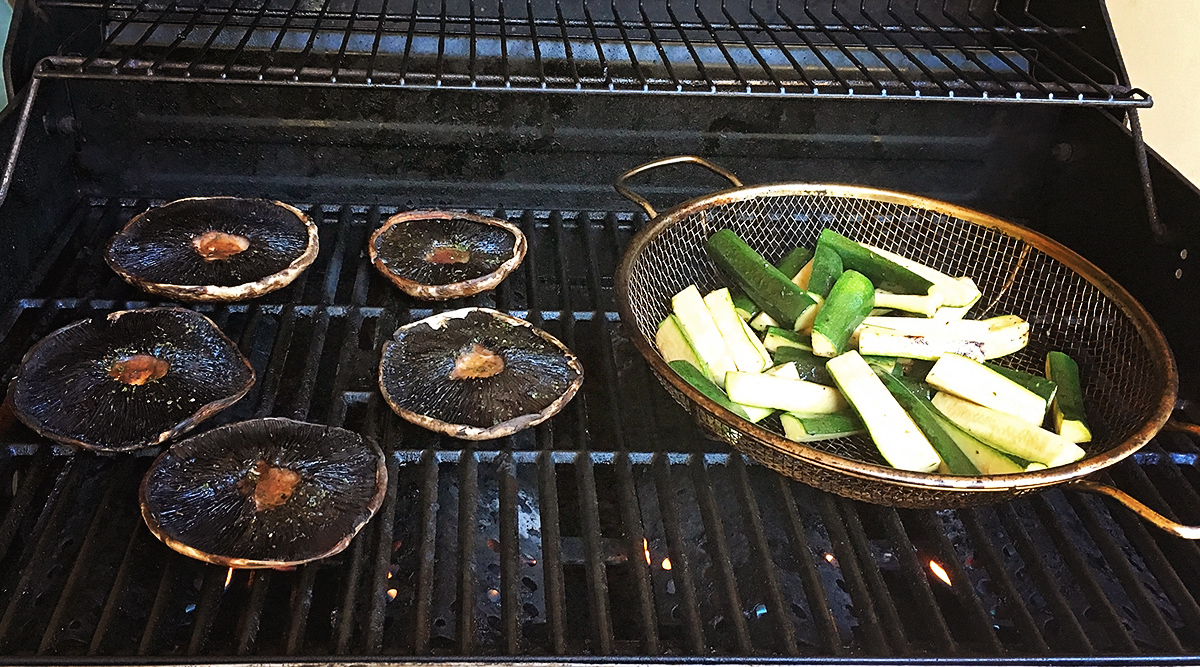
x: 852, y: 297
x: 1069, y: 418
x: 923, y: 413
x: 772, y: 291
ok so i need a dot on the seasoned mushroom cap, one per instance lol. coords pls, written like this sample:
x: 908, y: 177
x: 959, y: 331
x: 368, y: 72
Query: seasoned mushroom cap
x: 214, y: 248
x: 264, y: 493
x: 131, y: 379
x: 443, y: 255
x: 476, y: 373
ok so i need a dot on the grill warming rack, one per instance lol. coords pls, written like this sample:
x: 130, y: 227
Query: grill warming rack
x: 613, y: 529
x: 919, y: 49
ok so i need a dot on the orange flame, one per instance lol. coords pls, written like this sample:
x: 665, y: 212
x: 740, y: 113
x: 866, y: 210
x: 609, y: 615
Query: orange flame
x: 392, y: 593
x: 939, y: 572
x: 646, y: 551
x: 666, y: 564
x: 228, y: 577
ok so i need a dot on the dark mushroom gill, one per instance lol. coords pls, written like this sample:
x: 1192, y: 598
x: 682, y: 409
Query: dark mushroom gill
x: 436, y: 251
x: 174, y: 244
x: 268, y: 490
x: 418, y: 364
x: 121, y: 383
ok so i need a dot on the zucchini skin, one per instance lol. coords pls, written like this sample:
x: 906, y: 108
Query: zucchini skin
x: 923, y: 413
x: 883, y: 272
x: 827, y: 266
x: 1070, y: 420
x: 1044, y: 387
x: 810, y: 366
x: 770, y: 290
x: 849, y: 302
x: 700, y: 381
x: 795, y: 260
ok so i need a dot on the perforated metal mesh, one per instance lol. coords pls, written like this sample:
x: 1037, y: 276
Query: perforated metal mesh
x: 1123, y: 380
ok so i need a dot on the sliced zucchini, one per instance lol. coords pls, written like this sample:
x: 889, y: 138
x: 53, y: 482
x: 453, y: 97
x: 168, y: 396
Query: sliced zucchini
x: 1070, y: 421
x: 975, y: 382
x: 953, y: 291
x: 772, y: 291
x: 758, y: 345
x: 901, y: 443
x: 767, y: 391
x: 931, y: 338
x: 801, y: 278
x: 1039, y: 385
x: 804, y: 324
x: 776, y: 338
x: 1007, y: 433
x: 757, y: 414
x: 852, y: 297
x: 987, y: 460
x: 702, y: 333
x: 700, y: 381
x: 922, y: 304
x: 743, y: 304
x: 885, y: 273
x: 922, y: 412
x: 673, y: 345
x: 745, y: 354
x: 826, y: 267
x: 810, y: 367
x: 959, y: 312
x: 762, y: 322
x: 890, y: 364
x: 930, y: 327
x: 795, y: 260
x: 810, y: 428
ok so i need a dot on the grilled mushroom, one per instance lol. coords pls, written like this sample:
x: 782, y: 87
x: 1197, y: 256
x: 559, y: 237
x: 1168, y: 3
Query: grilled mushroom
x: 441, y: 255
x: 264, y: 493
x: 476, y: 373
x: 214, y: 248
x: 132, y: 379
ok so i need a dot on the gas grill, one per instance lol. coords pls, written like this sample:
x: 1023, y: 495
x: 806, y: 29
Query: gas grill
x: 616, y: 531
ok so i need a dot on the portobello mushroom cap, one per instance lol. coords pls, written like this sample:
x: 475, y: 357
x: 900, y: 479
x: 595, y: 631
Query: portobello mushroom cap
x: 476, y: 374
x: 131, y: 379
x: 441, y: 255
x: 214, y: 248
x: 264, y: 493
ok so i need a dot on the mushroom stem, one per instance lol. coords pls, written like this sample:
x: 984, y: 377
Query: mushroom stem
x: 213, y: 245
x: 477, y: 362
x: 138, y: 369
x: 269, y: 486
x: 447, y: 255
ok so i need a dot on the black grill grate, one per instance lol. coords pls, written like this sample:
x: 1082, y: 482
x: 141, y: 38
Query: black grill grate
x: 554, y: 541
x: 960, y: 49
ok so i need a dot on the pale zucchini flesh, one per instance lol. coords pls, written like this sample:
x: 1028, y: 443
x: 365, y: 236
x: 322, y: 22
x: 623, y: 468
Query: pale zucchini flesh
x: 766, y: 391
x: 901, y: 443
x: 758, y: 345
x: 757, y: 414
x: 810, y: 428
x: 776, y: 338
x: 1007, y: 433
x: 926, y: 304
x: 988, y: 460
x: 954, y: 292
x: 976, y: 382
x: 672, y: 344
x: 701, y: 331
x: 745, y: 354
x: 762, y: 322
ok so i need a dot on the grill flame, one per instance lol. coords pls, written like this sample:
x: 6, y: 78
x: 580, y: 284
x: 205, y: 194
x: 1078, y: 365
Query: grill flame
x: 939, y: 572
x: 646, y: 551
x: 666, y: 564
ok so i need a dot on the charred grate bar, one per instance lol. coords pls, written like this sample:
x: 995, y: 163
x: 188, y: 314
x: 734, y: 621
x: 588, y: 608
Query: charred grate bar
x: 614, y: 529
x: 912, y: 50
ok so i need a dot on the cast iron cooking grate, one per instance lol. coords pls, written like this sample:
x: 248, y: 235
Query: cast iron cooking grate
x: 939, y: 49
x: 613, y: 529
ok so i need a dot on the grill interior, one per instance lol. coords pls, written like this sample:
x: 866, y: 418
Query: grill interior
x: 943, y: 49
x: 554, y: 541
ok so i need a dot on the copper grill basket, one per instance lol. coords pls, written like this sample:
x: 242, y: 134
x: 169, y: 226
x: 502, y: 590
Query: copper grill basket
x: 1130, y: 378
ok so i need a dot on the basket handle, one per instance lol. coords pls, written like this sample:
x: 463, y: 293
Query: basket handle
x: 629, y: 194
x: 1137, y: 506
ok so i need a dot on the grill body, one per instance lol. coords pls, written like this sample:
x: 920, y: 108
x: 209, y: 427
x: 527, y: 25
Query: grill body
x: 616, y: 530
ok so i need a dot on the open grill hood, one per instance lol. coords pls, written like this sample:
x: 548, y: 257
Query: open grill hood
x: 615, y: 531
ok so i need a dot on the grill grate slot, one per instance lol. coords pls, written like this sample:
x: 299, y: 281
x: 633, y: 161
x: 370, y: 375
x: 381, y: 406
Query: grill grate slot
x: 962, y: 49
x: 614, y: 529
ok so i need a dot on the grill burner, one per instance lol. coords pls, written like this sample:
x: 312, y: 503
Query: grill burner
x: 614, y: 528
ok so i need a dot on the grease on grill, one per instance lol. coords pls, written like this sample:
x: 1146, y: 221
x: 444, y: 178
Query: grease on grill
x: 264, y: 493
x: 132, y: 379
x: 443, y: 255
x: 477, y: 374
